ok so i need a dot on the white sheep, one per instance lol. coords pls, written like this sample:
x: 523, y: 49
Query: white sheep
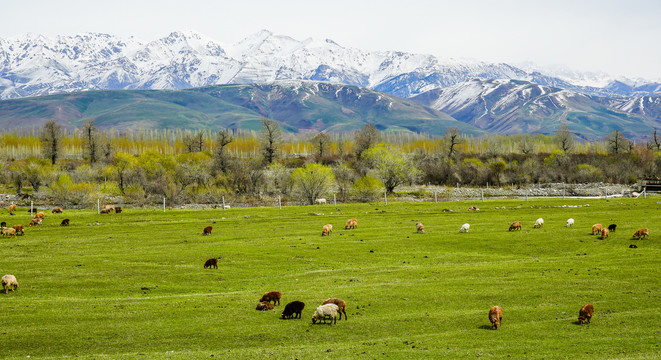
x: 9, y: 281
x: 539, y: 223
x: 570, y: 222
x: 464, y: 228
x: 323, y: 311
x: 320, y: 201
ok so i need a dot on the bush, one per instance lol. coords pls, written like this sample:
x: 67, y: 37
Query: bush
x: 367, y: 188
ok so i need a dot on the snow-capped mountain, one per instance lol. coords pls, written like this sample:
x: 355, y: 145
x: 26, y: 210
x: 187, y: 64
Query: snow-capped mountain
x: 33, y: 65
x: 515, y: 106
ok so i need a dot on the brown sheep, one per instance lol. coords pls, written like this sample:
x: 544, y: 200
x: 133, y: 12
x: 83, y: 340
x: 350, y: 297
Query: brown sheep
x: 105, y: 211
x: 264, y: 306
x: 272, y: 296
x: 57, y: 210
x: 641, y: 233
x: 19, y: 228
x: 515, y: 226
x: 496, y: 316
x: 292, y: 309
x: 65, y: 222
x: 40, y: 215
x: 585, y: 314
x: 9, y: 231
x: 351, y: 224
x: 604, y: 233
x: 34, y: 222
x: 341, y: 306
x: 327, y: 230
x: 419, y: 227
x: 596, y: 228
x: 207, y: 230
x: 213, y: 262
x: 8, y: 282
x: 109, y: 207
x: 12, y: 209
x: 118, y: 209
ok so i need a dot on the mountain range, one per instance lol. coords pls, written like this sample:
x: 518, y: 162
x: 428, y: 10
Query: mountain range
x: 309, y: 85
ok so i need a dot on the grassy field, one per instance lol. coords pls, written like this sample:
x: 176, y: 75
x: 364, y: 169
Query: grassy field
x: 132, y: 285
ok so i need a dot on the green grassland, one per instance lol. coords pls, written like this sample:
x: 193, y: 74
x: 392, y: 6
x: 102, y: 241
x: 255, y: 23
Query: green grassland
x: 132, y: 285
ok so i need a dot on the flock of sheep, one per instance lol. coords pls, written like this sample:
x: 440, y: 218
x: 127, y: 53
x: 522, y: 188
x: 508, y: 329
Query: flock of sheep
x: 328, y: 310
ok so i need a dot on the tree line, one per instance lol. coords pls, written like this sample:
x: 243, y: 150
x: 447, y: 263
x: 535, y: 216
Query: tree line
x: 355, y: 168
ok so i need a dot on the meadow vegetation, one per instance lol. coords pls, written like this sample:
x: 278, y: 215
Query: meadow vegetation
x: 133, y: 286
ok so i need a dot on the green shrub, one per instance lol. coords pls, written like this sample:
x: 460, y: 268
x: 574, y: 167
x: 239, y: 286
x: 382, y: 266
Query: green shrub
x: 367, y: 188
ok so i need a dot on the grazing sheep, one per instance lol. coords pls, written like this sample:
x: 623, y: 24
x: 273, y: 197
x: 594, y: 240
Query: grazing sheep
x: 538, y: 223
x: 9, y: 231
x: 272, y: 296
x: 40, y: 215
x: 33, y: 211
x: 570, y: 222
x: 12, y: 209
x: 327, y: 230
x: 474, y: 208
x: 515, y: 226
x: 118, y: 209
x: 57, y: 210
x: 596, y: 228
x: 34, y: 222
x: 65, y: 222
x: 324, y: 311
x: 641, y: 233
x: 419, y: 227
x: 207, y: 230
x: 496, y: 316
x: 9, y: 281
x: 585, y: 313
x: 293, y: 308
x: 105, y: 211
x: 213, y: 262
x: 19, y: 228
x: 351, y: 224
x: 109, y: 207
x: 464, y: 228
x: 264, y: 306
x: 341, y: 306
x: 612, y: 227
x: 320, y: 201
x: 3, y: 224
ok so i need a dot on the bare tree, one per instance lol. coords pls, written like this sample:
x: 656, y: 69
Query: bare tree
x: 51, y: 136
x: 452, y: 139
x: 564, y: 139
x: 91, y: 140
x: 221, y: 157
x: 194, y: 143
x: 527, y: 145
x: 271, y: 137
x: 655, y: 144
x: 365, y: 139
x: 617, y: 142
x: 321, y: 142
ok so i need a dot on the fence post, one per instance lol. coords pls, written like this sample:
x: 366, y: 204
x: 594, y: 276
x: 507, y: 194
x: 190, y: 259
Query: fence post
x: 163, y: 203
x: 385, y: 196
x: 435, y: 197
x: 223, y: 202
x: 334, y: 201
x: 98, y: 206
x: 645, y: 192
x: 279, y: 203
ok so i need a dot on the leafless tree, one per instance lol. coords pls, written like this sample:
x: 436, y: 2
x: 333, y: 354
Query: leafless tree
x: 617, y: 142
x: 221, y: 157
x: 51, y: 136
x: 194, y: 143
x: 655, y: 144
x: 564, y: 139
x: 321, y: 142
x: 90, y: 140
x: 271, y: 138
x: 452, y: 139
x: 365, y: 139
x: 526, y: 145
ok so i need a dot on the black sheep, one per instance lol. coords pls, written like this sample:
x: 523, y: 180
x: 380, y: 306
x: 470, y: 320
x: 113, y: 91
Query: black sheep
x: 293, y: 308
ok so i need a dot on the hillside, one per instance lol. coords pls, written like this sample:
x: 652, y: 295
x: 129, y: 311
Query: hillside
x: 298, y: 106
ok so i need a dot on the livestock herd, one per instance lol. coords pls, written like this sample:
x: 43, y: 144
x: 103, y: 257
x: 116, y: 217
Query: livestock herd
x: 332, y: 307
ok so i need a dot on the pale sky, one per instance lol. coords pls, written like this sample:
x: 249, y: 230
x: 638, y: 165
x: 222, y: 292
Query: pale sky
x: 617, y: 37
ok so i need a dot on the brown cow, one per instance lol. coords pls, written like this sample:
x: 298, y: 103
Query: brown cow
x: 496, y: 316
x: 585, y: 314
